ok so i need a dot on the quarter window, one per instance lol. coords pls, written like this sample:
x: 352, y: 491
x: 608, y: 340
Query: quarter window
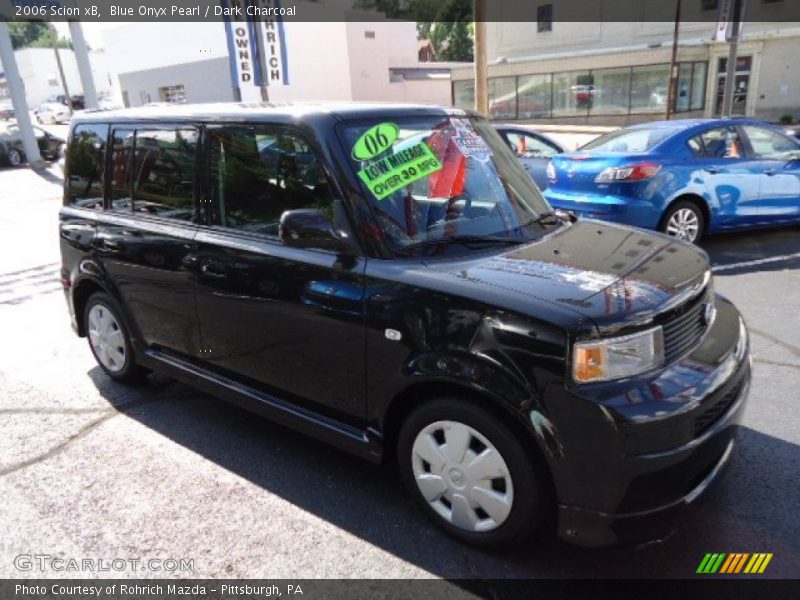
x: 259, y: 173
x: 86, y: 158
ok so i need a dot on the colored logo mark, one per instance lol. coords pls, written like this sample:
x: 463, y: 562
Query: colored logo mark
x: 736, y: 562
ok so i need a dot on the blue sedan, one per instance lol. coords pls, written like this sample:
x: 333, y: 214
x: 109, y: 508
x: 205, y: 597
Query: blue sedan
x: 684, y: 178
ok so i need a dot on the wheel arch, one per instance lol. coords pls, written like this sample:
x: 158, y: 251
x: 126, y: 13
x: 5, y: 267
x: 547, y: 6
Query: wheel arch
x: 81, y: 293
x: 419, y: 393
x: 695, y: 199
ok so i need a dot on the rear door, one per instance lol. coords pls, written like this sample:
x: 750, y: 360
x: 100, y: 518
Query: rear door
x: 147, y: 233
x: 730, y: 175
x: 289, y: 321
x: 779, y: 173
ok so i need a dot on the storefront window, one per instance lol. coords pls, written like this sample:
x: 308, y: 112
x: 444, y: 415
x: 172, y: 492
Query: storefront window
x: 533, y: 96
x: 649, y: 88
x: 698, y: 100
x: 503, y: 98
x: 611, y: 91
x: 464, y: 94
x: 573, y: 93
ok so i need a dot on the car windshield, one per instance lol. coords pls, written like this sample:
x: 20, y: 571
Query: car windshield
x: 441, y: 180
x: 630, y: 140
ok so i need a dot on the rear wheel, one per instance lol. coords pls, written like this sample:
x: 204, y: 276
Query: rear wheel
x: 470, y: 473
x: 109, y: 339
x: 685, y: 221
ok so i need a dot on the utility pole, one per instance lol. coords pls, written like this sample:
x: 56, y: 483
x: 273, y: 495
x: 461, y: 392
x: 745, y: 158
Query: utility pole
x: 84, y: 67
x: 54, y: 37
x: 730, y: 71
x: 672, y: 96
x: 481, y: 84
x: 17, y: 89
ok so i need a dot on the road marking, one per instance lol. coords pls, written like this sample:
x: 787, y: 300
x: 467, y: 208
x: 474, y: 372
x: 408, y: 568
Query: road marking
x: 760, y: 261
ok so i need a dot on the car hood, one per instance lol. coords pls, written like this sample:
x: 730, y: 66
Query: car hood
x: 614, y: 275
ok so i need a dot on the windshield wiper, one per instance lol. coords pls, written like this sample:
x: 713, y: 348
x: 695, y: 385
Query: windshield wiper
x: 550, y: 215
x: 461, y: 239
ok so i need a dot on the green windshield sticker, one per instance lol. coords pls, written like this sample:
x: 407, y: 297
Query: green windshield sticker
x: 375, y: 140
x: 400, y: 169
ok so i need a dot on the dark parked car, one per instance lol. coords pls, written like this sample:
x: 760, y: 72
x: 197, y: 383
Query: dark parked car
x: 685, y: 178
x: 408, y: 294
x: 12, y: 151
x: 533, y: 149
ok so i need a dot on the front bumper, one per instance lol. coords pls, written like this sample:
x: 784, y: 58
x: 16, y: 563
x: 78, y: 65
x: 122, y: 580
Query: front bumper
x: 658, y: 445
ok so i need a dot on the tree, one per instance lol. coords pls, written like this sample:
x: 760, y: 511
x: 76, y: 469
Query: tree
x: 34, y: 34
x: 446, y: 23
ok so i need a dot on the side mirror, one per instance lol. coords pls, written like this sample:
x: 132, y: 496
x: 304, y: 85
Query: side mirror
x: 309, y: 228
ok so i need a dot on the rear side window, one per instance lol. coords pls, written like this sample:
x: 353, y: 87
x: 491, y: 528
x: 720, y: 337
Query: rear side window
x: 720, y: 142
x: 153, y: 171
x: 164, y: 172
x: 86, y: 165
x: 629, y: 140
x: 258, y: 173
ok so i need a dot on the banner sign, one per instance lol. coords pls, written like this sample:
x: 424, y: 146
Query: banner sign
x: 256, y: 45
x: 724, y: 22
x: 272, y: 39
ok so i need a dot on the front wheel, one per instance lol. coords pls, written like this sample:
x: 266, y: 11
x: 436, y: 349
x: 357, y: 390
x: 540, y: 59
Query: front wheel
x: 685, y: 221
x: 470, y: 473
x: 14, y: 157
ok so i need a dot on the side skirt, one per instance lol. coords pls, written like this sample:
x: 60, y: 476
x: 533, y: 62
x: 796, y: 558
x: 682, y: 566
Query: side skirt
x: 361, y: 443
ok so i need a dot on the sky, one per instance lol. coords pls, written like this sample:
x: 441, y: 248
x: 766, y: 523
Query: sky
x: 93, y: 32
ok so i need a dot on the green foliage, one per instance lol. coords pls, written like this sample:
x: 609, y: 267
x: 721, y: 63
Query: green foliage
x: 786, y: 120
x: 34, y: 34
x: 446, y: 23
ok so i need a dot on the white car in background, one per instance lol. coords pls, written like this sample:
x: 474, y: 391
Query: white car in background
x: 50, y: 113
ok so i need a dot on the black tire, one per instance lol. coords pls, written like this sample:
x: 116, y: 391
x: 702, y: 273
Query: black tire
x: 532, y: 493
x: 14, y: 157
x: 685, y: 205
x: 130, y: 372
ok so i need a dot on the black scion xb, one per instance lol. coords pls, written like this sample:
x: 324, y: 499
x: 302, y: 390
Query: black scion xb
x: 390, y: 280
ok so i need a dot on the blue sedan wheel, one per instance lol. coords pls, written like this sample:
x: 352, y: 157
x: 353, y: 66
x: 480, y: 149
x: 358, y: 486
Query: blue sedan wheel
x: 684, y: 221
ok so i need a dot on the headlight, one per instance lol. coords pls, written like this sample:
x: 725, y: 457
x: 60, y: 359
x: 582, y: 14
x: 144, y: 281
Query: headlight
x: 615, y: 358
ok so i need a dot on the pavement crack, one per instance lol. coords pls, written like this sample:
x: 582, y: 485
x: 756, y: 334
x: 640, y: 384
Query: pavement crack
x: 83, y: 432
x: 776, y: 363
x: 768, y: 336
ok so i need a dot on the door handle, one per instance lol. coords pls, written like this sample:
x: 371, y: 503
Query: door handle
x: 210, y: 271
x: 712, y: 170
x: 770, y: 172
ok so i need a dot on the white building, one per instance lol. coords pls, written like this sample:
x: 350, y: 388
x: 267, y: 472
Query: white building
x: 618, y: 72
x: 337, y: 61
x: 39, y: 72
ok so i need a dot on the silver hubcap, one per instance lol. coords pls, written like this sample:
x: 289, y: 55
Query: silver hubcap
x: 684, y: 225
x: 14, y: 158
x: 462, y: 476
x: 106, y: 338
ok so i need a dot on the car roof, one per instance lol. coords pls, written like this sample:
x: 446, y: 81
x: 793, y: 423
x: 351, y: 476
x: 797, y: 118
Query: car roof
x: 240, y: 111
x: 679, y: 124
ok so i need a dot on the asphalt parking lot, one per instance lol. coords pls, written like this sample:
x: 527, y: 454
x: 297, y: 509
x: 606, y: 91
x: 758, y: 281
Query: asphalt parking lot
x: 90, y: 468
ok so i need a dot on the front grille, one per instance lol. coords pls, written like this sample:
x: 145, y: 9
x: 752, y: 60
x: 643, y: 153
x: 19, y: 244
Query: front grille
x: 716, y: 410
x: 683, y: 331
